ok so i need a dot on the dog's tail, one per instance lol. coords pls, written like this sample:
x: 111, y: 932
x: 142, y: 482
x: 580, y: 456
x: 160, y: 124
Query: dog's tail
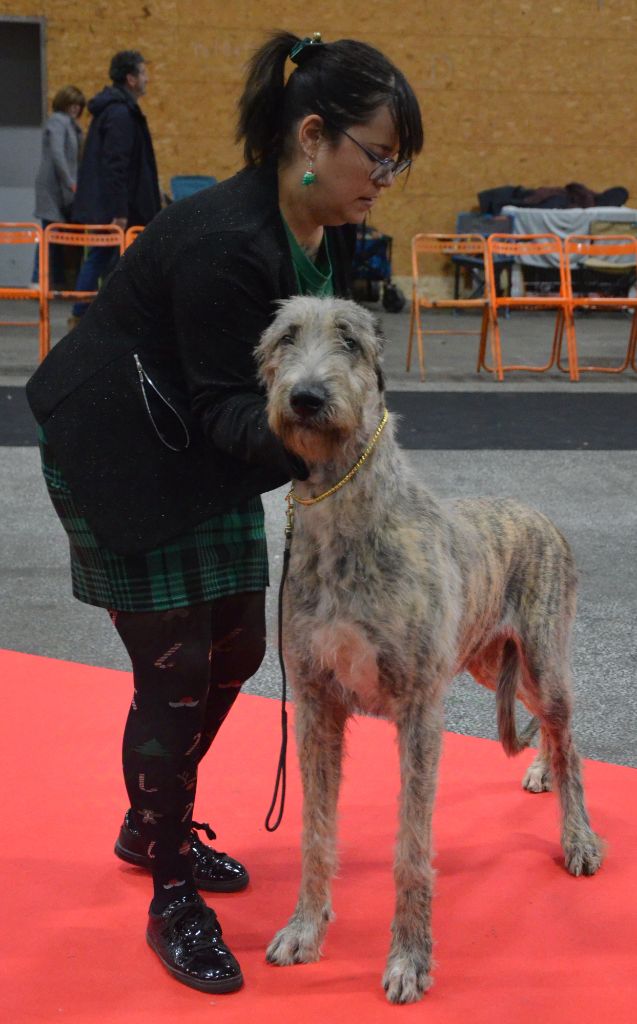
x: 505, y: 703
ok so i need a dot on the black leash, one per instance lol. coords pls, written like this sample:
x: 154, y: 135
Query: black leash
x: 281, y: 771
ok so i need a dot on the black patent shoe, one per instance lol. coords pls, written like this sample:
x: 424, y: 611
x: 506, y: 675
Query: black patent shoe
x: 213, y: 870
x: 187, y: 939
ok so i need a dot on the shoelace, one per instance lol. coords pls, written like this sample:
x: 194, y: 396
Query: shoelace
x: 199, y: 917
x: 203, y: 826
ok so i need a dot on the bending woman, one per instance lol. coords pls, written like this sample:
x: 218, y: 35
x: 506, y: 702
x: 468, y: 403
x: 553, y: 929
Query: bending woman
x: 155, y: 442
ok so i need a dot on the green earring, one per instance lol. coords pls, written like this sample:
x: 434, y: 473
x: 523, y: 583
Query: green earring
x: 309, y: 177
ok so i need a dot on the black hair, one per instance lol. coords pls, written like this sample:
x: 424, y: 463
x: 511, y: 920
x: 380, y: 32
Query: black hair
x: 345, y: 82
x: 126, y: 62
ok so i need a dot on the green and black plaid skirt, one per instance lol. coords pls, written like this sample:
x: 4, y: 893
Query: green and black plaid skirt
x: 224, y: 555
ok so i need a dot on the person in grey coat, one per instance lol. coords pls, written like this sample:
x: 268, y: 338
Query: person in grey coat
x: 56, y: 179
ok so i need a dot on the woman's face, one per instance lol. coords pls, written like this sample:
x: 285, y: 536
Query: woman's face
x: 343, y: 192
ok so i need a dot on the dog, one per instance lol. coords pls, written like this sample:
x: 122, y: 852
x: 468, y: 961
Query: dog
x: 390, y: 594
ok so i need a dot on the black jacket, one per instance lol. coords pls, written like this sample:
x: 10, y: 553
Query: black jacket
x: 118, y: 172
x: 184, y: 308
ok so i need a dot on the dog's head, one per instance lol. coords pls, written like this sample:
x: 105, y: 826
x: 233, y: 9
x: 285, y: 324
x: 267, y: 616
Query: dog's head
x: 320, y: 363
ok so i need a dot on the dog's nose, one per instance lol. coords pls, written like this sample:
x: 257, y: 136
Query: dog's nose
x: 307, y: 401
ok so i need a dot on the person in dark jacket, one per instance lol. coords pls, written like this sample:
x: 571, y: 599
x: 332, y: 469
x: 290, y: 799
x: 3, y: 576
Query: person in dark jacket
x: 118, y: 178
x: 156, y: 446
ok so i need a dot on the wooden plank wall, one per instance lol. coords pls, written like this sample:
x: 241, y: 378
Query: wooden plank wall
x: 531, y: 92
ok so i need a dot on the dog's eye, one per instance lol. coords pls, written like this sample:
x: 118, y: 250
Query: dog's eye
x: 287, y: 339
x: 350, y: 343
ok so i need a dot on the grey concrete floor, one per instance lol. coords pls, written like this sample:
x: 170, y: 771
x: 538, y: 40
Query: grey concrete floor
x: 450, y: 359
x: 592, y: 496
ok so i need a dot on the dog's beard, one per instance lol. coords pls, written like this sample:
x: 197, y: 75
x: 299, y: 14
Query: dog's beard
x: 314, y: 443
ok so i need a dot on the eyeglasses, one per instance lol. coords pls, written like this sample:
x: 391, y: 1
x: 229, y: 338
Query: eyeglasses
x: 386, y: 167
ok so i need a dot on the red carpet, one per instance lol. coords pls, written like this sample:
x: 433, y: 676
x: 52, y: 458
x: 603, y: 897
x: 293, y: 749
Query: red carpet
x: 517, y: 939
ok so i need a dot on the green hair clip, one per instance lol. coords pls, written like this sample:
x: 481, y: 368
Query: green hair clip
x: 301, y: 50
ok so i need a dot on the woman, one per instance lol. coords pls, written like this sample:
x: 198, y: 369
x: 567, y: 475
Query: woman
x: 156, y: 445
x: 56, y: 179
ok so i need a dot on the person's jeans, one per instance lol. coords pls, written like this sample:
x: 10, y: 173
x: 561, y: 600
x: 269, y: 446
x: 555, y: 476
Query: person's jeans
x: 99, y: 261
x: 56, y: 257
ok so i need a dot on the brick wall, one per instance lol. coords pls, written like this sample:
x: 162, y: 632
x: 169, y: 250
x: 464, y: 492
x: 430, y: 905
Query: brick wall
x: 532, y: 92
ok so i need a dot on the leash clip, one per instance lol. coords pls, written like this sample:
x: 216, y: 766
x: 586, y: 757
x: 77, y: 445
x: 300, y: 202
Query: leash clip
x: 289, y: 515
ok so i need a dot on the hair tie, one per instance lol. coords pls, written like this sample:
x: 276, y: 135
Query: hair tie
x: 306, y: 48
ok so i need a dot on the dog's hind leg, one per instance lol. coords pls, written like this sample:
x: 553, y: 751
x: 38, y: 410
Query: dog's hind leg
x: 538, y: 775
x: 320, y: 727
x: 583, y: 849
x: 549, y: 692
x: 407, y: 975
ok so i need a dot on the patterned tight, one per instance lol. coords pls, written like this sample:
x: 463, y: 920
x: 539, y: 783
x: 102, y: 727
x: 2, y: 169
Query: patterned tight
x: 188, y: 667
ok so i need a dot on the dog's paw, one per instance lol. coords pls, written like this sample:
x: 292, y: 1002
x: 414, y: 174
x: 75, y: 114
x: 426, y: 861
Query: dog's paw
x: 537, y: 778
x: 295, y: 944
x: 584, y: 855
x: 406, y: 979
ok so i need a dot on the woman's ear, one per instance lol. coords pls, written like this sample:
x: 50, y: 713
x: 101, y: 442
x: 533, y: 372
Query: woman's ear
x: 310, y: 133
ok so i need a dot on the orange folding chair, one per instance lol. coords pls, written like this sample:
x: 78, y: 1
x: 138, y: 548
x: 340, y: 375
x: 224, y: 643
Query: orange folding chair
x: 25, y: 233
x: 597, y: 252
x: 85, y: 235
x: 516, y: 246
x: 432, y: 245
x: 131, y: 235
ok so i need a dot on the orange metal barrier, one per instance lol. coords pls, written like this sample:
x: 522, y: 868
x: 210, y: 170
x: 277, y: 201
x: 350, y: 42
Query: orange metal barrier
x: 85, y: 235
x: 515, y: 246
x: 131, y: 235
x: 25, y: 233
x: 595, y: 249
x: 426, y: 245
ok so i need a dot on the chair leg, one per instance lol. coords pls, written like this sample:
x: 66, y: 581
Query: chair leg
x: 482, y: 349
x: 496, y: 346
x: 45, y: 328
x: 629, y: 361
x: 421, y: 346
x: 570, y: 329
x: 414, y: 303
x: 568, y: 322
x: 633, y: 341
x: 568, y: 325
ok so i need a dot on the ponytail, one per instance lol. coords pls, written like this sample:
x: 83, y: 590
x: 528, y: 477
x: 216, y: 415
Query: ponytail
x: 262, y: 101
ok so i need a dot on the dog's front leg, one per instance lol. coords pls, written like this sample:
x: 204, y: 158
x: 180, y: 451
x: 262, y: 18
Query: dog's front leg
x: 407, y: 975
x: 320, y: 726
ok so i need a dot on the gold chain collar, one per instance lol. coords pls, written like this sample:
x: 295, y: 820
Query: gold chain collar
x: 291, y: 497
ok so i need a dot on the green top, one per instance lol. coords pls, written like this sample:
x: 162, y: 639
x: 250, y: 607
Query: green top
x: 312, y: 278
x: 224, y: 555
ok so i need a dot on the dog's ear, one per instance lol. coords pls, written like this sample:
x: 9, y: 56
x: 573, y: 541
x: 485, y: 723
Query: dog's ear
x: 263, y: 354
x: 380, y: 341
x: 378, y: 331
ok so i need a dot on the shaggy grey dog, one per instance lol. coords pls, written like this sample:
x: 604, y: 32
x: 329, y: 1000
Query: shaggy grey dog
x: 390, y: 594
